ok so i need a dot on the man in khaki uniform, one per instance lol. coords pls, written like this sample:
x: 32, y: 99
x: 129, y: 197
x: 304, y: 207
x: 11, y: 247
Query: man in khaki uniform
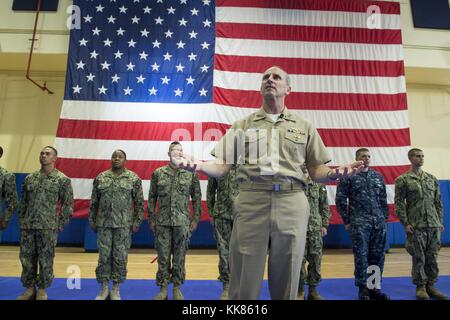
x: 220, y: 196
x: 271, y: 210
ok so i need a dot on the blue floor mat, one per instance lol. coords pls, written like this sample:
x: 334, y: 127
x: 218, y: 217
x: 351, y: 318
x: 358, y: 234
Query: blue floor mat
x: 399, y: 288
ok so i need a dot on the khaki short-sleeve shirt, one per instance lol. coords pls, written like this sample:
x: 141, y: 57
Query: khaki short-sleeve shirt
x: 267, y: 151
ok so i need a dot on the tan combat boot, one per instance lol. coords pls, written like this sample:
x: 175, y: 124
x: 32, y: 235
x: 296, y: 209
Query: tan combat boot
x: 115, y: 293
x: 301, y: 295
x: 421, y: 293
x: 104, y: 292
x: 41, y: 294
x: 224, y: 295
x: 313, y: 294
x: 177, y: 295
x: 436, y: 294
x: 162, y: 295
x: 28, y: 294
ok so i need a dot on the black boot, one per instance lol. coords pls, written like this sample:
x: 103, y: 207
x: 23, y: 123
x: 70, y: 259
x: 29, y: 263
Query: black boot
x: 376, y: 294
x: 363, y: 294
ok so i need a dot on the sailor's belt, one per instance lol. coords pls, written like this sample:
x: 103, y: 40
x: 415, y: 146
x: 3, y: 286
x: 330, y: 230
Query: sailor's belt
x: 275, y: 187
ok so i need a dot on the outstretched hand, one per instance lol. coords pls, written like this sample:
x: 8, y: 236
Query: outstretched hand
x: 185, y: 162
x: 346, y: 171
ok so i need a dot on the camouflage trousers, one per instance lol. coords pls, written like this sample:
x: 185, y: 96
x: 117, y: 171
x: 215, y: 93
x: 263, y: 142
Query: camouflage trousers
x: 113, y: 245
x: 37, y: 251
x: 424, y: 245
x: 313, y: 255
x: 368, y: 242
x: 171, y: 242
x: 222, y: 234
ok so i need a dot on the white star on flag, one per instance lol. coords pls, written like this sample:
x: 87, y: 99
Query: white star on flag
x: 155, y: 66
x: 165, y: 80
x: 118, y: 55
x: 96, y: 31
x: 88, y: 18
x: 93, y: 54
x: 179, y: 67
x: 130, y: 66
x: 111, y: 19
x: 167, y: 56
x: 156, y: 44
x: 192, y: 56
x: 77, y: 89
x: 80, y: 65
x: 140, y: 79
x: 105, y: 65
x: 153, y: 91
x: 107, y: 42
x: 190, y: 80
x: 115, y: 78
x: 102, y: 90
x: 143, y: 55
x: 127, y: 91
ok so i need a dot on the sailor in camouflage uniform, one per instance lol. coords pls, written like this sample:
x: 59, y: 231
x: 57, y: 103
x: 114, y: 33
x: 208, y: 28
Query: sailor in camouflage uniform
x: 117, y: 210
x: 418, y: 206
x: 365, y: 217
x: 171, y: 222
x: 8, y: 196
x: 220, y: 196
x: 319, y: 218
x: 43, y: 191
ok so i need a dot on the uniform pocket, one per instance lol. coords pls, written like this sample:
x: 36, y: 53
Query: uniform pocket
x: 51, y: 187
x: 256, y: 145
x: 184, y: 184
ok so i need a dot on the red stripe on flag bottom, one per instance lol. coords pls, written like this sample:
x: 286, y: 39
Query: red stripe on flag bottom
x: 329, y: 5
x: 310, y: 66
x: 315, y: 101
x: 365, y: 138
x: 81, y: 209
x: 307, y: 33
x: 91, y: 168
x: 145, y: 131
x: 337, y: 219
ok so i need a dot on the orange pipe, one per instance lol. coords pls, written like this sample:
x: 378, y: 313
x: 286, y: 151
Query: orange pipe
x: 44, y: 87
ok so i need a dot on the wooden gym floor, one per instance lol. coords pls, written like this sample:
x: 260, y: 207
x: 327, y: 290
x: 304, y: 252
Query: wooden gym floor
x: 201, y: 264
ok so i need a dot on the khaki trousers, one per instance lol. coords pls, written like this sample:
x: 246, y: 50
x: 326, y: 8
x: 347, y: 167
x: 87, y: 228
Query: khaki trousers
x: 260, y: 218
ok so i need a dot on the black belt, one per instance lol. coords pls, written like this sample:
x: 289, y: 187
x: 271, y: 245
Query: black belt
x: 275, y: 187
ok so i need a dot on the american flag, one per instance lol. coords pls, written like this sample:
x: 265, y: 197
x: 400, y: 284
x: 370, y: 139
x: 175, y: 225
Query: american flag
x: 145, y: 72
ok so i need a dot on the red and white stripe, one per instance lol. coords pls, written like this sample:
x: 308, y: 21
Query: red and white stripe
x: 347, y: 79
